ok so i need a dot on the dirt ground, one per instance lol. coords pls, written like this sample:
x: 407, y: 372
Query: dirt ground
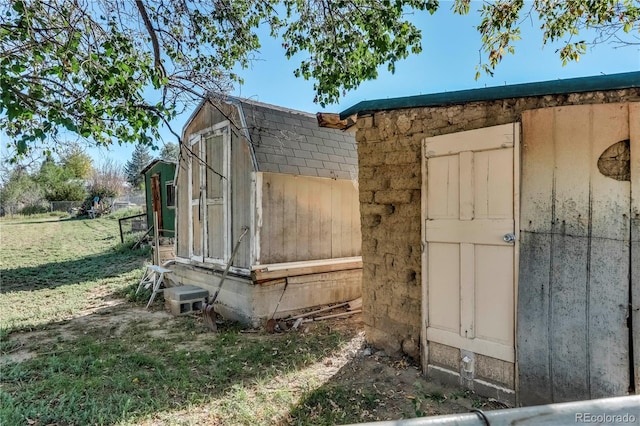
x: 399, y: 389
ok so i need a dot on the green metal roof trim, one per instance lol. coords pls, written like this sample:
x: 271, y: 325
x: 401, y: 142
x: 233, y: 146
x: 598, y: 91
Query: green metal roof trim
x: 553, y: 87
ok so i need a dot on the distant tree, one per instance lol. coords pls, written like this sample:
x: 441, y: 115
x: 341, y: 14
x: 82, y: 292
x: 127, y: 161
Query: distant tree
x: 77, y: 162
x: 59, y: 183
x: 107, y: 180
x: 139, y: 160
x: 19, y: 189
x: 170, y: 152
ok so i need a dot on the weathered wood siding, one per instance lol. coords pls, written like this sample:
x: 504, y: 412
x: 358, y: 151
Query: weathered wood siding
x: 572, y: 336
x: 306, y: 218
x: 634, y: 145
x: 241, y: 181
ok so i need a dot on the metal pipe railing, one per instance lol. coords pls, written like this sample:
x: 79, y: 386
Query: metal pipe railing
x: 607, y: 411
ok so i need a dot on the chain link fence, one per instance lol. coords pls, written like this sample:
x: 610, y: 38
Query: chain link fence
x: 65, y: 206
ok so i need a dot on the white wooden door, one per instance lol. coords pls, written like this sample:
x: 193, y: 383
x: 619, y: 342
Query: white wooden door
x: 209, y: 188
x: 215, y: 193
x: 470, y: 211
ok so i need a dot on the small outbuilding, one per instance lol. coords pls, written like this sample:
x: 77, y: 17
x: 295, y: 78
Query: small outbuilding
x: 160, y: 196
x: 265, y: 192
x: 501, y: 235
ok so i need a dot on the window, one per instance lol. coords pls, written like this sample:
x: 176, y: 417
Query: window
x: 171, y: 193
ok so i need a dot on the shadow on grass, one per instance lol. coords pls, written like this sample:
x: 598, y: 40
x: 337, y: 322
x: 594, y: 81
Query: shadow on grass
x: 11, y: 222
x: 111, y: 263
x: 103, y: 376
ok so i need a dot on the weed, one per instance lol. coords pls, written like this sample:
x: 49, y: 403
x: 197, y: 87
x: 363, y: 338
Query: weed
x: 436, y: 396
x: 417, y: 409
x: 477, y: 403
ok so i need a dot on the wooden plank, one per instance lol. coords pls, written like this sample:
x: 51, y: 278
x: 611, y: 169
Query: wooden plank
x: 538, y: 161
x: 516, y: 231
x: 467, y: 187
x: 608, y: 336
x: 182, y: 209
x: 265, y: 274
x: 256, y: 220
x: 477, y: 140
x: 336, y: 220
x: 500, y: 183
x: 610, y: 202
x: 479, y: 346
x: 443, y: 188
x: 356, y: 229
x: 290, y: 218
x: 215, y: 231
x: 488, y: 231
x: 197, y: 231
x: 568, y: 318
x: 318, y: 278
x: 533, y: 303
x: 241, y: 216
x: 533, y: 316
x: 347, y: 193
x: 570, y: 254
x: 494, y: 287
x: 156, y: 202
x: 273, y: 219
x: 424, y: 264
x: 315, y: 204
x: 467, y: 290
x: 481, y: 184
x: 634, y: 139
x: 323, y: 187
x: 303, y: 216
x: 444, y: 285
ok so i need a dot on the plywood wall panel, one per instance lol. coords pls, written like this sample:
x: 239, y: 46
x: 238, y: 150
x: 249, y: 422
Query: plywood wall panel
x: 608, y: 267
x: 306, y: 218
x: 533, y: 328
x: 537, y: 167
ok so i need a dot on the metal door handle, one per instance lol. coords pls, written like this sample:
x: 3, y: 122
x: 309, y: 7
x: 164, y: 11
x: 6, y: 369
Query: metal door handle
x: 509, y: 238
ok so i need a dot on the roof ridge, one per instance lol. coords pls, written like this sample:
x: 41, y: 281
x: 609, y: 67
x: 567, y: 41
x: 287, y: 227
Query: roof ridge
x: 271, y: 106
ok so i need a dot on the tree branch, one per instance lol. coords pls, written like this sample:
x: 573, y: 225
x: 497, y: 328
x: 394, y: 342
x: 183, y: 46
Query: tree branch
x: 154, y: 37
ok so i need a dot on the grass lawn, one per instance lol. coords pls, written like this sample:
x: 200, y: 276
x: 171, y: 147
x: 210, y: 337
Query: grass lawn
x: 49, y: 267
x: 78, y: 348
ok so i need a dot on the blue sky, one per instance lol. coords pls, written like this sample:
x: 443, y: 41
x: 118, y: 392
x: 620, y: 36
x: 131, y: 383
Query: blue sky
x: 450, y: 54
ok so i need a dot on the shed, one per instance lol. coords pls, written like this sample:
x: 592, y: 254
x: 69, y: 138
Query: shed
x: 501, y: 235
x: 292, y: 185
x: 160, y: 195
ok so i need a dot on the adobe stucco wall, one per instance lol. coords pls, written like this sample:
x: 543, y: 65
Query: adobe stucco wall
x: 389, y: 149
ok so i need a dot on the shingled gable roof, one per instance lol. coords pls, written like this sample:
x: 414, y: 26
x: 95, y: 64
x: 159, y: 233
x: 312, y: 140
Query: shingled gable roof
x: 291, y: 142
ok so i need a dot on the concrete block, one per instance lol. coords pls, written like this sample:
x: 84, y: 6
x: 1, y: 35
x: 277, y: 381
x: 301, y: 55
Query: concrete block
x: 185, y: 292
x: 184, y: 307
